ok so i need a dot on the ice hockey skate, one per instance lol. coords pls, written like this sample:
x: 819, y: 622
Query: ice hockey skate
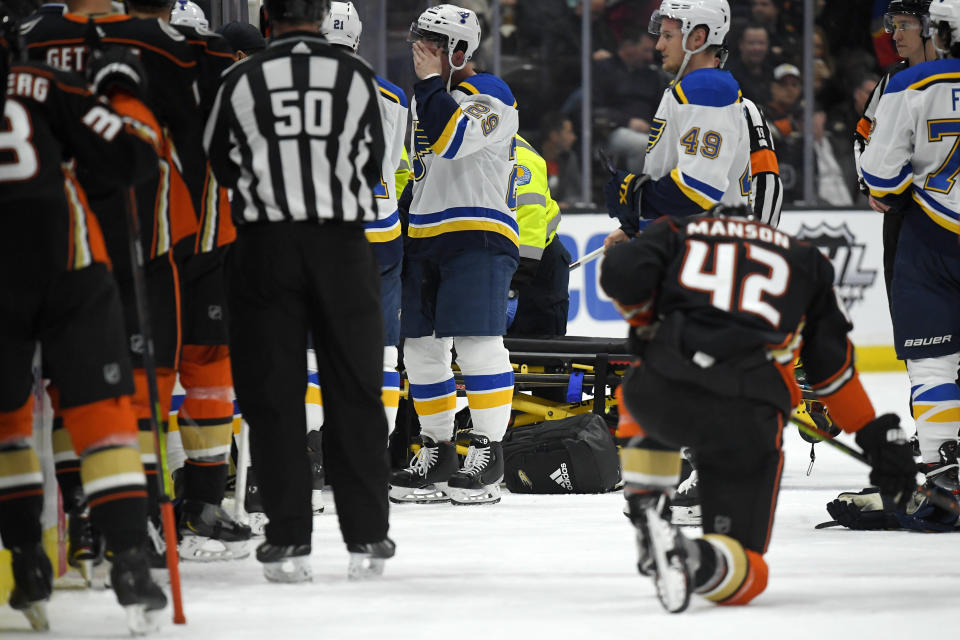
x: 286, y: 563
x: 315, y: 454
x: 685, y: 504
x: 85, y: 546
x: 33, y: 582
x: 662, y: 554
x: 136, y: 591
x: 367, y: 560
x: 478, y: 482
x: 425, y: 480
x: 209, y: 534
x: 944, y: 472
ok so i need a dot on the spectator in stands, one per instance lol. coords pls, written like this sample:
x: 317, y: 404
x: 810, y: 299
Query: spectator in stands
x: 627, y: 90
x: 563, y: 169
x: 783, y: 114
x: 826, y: 85
x: 783, y: 40
x: 752, y: 67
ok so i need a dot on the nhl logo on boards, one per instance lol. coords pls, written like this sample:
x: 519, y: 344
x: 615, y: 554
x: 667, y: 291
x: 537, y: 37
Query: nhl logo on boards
x: 111, y: 373
x: 562, y: 477
x: 840, y: 247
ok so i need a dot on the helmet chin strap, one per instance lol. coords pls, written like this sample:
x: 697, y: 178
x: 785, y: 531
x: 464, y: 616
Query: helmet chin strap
x: 687, y: 53
x: 453, y: 67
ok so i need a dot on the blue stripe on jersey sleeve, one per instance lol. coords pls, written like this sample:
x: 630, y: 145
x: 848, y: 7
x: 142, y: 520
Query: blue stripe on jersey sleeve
x: 662, y: 197
x: 710, y: 88
x: 886, y: 183
x: 713, y: 192
x: 394, y: 92
x: 457, y: 139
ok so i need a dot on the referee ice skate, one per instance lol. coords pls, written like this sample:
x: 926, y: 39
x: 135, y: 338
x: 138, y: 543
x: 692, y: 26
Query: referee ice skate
x: 296, y: 134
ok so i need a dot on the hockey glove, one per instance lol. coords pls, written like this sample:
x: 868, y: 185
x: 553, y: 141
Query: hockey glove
x: 868, y: 509
x: 885, y: 444
x: 116, y: 68
x: 622, y: 197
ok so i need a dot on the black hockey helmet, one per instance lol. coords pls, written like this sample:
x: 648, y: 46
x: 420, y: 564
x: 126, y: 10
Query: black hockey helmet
x: 154, y: 4
x: 296, y: 10
x: 11, y: 13
x: 920, y: 9
x: 730, y: 211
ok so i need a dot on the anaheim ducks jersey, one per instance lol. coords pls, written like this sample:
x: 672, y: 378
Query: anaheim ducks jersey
x: 913, y: 150
x: 736, y: 302
x: 50, y: 121
x: 183, y: 67
x: 384, y: 233
x: 698, y: 151
x: 464, y: 167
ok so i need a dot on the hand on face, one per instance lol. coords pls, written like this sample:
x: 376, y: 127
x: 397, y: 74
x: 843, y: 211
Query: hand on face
x: 427, y: 59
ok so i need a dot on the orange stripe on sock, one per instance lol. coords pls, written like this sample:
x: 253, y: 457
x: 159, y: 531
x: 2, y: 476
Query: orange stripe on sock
x: 123, y: 495
x: 22, y: 494
x: 200, y: 463
x: 754, y: 583
x: 627, y: 426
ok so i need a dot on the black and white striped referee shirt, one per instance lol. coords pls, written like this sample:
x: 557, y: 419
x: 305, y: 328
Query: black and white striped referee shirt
x: 296, y: 133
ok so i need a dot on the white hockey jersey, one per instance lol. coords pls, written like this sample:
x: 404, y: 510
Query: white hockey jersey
x: 384, y: 233
x: 464, y: 167
x: 914, y: 149
x: 698, y: 152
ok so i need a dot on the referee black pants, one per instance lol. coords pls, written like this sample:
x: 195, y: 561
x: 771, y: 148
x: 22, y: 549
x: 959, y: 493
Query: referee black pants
x: 285, y: 279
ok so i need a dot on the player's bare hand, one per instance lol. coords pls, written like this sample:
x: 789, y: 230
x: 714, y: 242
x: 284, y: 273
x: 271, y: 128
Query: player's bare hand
x: 427, y: 60
x: 616, y: 237
x: 878, y: 206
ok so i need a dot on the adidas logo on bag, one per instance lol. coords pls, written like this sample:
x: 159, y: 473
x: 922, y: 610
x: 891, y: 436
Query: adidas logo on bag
x: 562, y: 477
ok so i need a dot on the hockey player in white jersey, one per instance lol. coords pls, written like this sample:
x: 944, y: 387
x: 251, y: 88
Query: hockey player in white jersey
x: 343, y: 27
x: 698, y: 153
x: 462, y: 251
x: 912, y: 162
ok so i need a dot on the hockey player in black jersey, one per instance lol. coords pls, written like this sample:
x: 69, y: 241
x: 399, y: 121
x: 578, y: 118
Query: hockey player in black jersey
x: 56, y: 288
x: 719, y: 309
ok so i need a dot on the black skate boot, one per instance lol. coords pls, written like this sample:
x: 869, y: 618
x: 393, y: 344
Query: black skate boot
x: 425, y: 480
x: 208, y: 533
x: 943, y: 473
x: 285, y: 563
x: 315, y: 453
x: 32, y: 584
x: 662, y: 552
x: 367, y: 560
x: 136, y: 591
x: 86, y: 544
x: 478, y: 482
x: 685, y: 504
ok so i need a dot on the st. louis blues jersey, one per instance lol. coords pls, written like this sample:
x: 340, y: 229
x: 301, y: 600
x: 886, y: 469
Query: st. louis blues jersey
x: 464, y: 167
x: 913, y: 156
x: 698, y: 152
x: 384, y: 233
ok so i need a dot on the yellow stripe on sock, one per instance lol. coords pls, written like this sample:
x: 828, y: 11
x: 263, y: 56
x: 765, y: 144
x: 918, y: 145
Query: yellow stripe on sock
x: 390, y: 397
x: 650, y: 466
x: 490, y: 400
x: 435, y: 406
x: 736, y: 566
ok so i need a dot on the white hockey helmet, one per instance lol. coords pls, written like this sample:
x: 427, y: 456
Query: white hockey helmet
x: 945, y: 11
x: 342, y: 25
x: 452, y: 27
x: 713, y: 14
x: 189, y: 14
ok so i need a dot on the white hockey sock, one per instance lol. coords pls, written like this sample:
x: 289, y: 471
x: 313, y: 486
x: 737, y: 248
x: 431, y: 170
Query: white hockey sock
x: 936, y: 402
x: 391, y: 387
x: 488, y: 377
x: 432, y: 387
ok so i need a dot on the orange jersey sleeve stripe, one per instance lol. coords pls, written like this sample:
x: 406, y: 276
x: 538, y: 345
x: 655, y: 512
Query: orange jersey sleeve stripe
x: 863, y: 128
x: 764, y: 161
x: 627, y: 426
x: 849, y: 406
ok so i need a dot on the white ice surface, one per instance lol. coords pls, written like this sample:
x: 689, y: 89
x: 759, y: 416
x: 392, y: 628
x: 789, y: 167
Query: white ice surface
x: 557, y: 567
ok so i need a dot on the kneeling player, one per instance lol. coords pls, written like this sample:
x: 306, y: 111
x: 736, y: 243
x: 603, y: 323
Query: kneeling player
x: 56, y: 289
x: 720, y: 307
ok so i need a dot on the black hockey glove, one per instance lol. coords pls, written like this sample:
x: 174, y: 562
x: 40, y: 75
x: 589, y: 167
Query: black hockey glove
x: 116, y: 68
x: 885, y: 444
x: 622, y: 197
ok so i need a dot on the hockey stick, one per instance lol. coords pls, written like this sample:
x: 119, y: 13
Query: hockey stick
x: 811, y: 429
x: 156, y: 419
x: 590, y: 257
x: 243, y: 463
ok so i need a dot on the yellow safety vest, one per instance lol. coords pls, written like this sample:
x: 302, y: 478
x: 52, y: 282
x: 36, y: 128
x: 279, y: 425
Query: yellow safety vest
x: 538, y: 215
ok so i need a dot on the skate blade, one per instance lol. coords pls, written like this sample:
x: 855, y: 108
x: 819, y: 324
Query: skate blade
x: 203, y: 549
x: 316, y: 501
x: 290, y: 570
x: 36, y: 615
x: 686, y: 516
x: 672, y: 580
x: 430, y: 494
x: 141, y: 620
x: 489, y: 494
x: 362, y: 566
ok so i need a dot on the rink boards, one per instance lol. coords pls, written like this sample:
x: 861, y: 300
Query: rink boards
x: 852, y: 240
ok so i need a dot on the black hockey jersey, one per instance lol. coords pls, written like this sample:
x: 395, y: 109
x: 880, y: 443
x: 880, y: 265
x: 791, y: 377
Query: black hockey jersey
x: 183, y: 69
x: 49, y: 121
x: 734, y: 302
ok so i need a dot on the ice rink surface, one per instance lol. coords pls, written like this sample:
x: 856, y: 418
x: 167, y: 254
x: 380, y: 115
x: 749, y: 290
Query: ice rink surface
x: 555, y: 567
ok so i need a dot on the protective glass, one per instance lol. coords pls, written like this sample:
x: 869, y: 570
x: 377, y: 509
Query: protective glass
x: 894, y: 21
x: 420, y: 35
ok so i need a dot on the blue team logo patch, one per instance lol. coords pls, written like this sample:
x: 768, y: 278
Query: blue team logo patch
x: 524, y: 175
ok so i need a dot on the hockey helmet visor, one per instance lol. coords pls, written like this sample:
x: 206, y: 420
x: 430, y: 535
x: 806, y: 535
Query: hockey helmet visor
x: 417, y: 34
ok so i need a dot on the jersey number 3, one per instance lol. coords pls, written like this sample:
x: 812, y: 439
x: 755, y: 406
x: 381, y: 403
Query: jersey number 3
x: 722, y: 282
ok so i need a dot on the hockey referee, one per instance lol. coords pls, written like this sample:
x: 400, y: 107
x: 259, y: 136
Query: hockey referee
x: 296, y: 133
